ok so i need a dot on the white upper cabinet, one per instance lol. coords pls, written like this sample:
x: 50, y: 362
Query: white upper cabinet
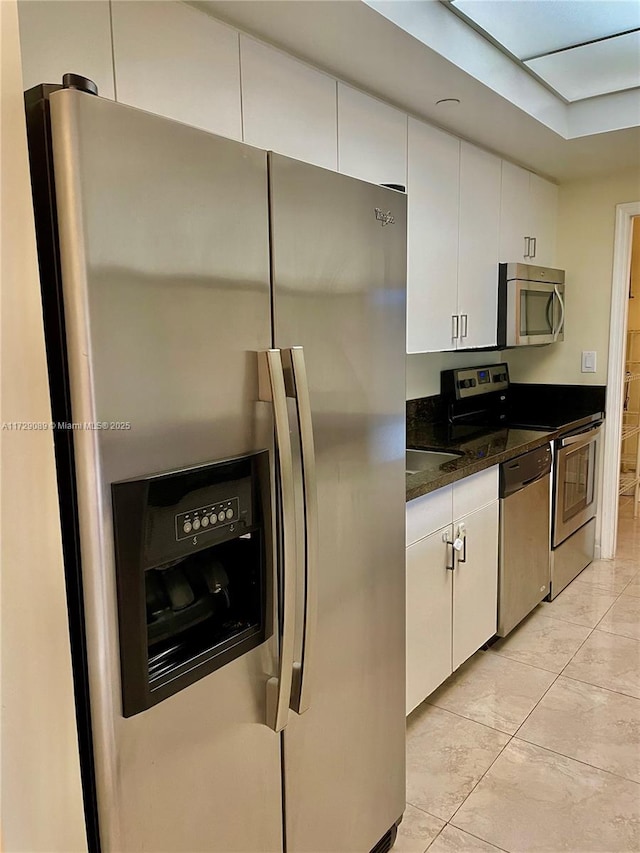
x: 66, y: 36
x: 432, y: 264
x: 478, y: 247
x: 514, y: 213
x: 528, y: 217
x: 454, y: 218
x: 176, y: 61
x: 372, y: 138
x: 544, y: 211
x: 287, y: 106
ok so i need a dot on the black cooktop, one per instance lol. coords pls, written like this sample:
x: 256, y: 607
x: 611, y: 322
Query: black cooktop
x: 484, y: 397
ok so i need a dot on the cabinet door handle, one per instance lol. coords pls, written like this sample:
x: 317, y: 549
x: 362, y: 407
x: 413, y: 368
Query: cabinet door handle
x: 455, y: 326
x: 527, y: 247
x: 464, y: 324
x: 448, y: 542
x: 534, y: 240
x: 462, y: 539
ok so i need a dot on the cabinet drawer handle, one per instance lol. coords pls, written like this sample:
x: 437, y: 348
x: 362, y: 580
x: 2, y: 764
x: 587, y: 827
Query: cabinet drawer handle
x: 527, y: 247
x: 464, y: 325
x: 534, y: 240
x: 455, y: 326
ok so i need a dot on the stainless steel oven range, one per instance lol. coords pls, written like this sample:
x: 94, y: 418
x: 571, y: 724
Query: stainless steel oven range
x: 574, y: 503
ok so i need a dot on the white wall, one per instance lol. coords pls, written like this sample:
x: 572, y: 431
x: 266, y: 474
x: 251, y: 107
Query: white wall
x: 423, y: 369
x: 586, y: 220
x: 41, y: 795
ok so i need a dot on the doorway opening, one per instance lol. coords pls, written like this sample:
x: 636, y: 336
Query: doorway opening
x: 629, y: 483
x: 621, y: 423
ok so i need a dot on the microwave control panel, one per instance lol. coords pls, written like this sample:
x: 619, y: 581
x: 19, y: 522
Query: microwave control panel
x: 477, y: 381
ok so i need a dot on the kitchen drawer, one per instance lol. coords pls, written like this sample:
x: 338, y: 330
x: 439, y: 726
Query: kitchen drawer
x: 474, y: 492
x: 429, y: 513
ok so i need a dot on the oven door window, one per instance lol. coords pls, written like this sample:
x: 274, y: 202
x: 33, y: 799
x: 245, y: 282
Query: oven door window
x: 536, y: 312
x: 579, y: 480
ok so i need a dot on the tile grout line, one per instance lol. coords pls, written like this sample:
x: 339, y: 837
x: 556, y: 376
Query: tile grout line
x: 577, y: 760
x: 511, y: 737
x: 466, y: 831
x: 524, y: 663
x: 468, y: 719
x: 600, y: 687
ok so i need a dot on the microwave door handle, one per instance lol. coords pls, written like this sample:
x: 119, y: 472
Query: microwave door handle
x: 560, y: 327
x: 551, y: 314
x: 298, y: 388
x: 272, y: 389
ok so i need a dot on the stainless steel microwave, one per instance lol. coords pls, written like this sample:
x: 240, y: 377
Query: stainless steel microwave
x: 531, y: 309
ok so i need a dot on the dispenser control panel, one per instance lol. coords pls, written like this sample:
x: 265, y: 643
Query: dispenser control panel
x: 209, y: 517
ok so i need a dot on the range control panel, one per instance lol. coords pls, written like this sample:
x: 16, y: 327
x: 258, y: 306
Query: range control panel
x: 476, y: 381
x: 207, y: 517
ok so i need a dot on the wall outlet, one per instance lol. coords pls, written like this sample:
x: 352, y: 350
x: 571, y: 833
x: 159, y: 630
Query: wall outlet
x: 589, y: 362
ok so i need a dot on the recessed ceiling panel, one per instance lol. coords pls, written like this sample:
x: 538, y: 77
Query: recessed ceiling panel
x: 528, y: 28
x: 592, y: 69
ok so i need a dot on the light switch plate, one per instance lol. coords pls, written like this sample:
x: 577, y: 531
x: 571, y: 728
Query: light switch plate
x: 588, y: 361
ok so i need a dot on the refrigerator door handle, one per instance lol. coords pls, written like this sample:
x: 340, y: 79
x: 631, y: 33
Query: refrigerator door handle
x: 298, y: 388
x: 272, y: 389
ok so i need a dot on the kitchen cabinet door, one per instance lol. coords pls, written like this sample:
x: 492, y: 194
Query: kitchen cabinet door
x: 544, y: 220
x: 287, y: 106
x: 478, y: 247
x: 372, y: 138
x: 429, y: 589
x: 432, y: 264
x: 66, y: 36
x: 475, y: 583
x: 515, y: 218
x: 176, y: 61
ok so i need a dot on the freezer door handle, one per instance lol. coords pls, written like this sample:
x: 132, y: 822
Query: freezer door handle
x: 298, y: 388
x: 272, y: 389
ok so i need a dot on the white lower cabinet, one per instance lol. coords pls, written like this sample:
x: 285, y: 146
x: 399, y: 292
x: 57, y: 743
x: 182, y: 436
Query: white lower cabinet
x: 429, y: 617
x: 452, y: 593
x: 475, y: 583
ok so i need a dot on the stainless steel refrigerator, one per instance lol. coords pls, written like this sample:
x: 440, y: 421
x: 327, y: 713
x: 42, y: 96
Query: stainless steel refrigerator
x: 226, y: 343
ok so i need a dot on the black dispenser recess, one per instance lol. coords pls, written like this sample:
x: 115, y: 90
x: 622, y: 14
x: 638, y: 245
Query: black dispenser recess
x: 193, y: 566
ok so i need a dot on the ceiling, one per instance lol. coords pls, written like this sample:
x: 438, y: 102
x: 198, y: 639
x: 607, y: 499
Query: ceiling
x: 580, y: 48
x: 414, y: 53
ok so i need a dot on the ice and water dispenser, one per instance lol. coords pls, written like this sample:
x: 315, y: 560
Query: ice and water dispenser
x: 193, y: 570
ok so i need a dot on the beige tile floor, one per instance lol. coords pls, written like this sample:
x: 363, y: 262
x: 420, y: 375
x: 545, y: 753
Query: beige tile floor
x: 534, y: 745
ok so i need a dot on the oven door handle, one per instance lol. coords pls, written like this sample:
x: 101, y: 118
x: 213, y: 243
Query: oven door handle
x: 581, y: 438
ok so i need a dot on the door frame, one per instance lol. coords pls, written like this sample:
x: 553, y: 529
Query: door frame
x: 625, y: 214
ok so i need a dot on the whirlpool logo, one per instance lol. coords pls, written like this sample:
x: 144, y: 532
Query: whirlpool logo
x: 386, y: 218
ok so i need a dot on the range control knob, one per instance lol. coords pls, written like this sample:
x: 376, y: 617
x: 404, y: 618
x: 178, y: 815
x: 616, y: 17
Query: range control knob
x: 187, y: 527
x: 229, y: 513
x: 221, y: 516
x: 205, y: 521
x: 196, y: 524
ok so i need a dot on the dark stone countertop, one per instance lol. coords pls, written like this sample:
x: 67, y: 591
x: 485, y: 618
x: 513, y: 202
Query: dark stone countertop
x: 480, y: 451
